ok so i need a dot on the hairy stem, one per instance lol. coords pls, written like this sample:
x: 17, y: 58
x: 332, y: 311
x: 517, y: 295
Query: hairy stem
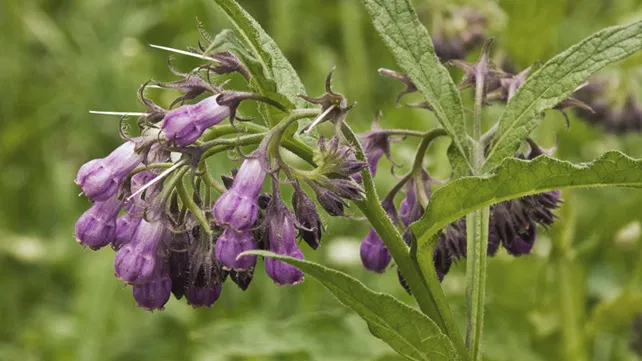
x: 477, y: 238
x: 429, y: 295
x: 476, y: 234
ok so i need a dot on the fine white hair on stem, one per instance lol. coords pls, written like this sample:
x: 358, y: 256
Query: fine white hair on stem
x: 122, y: 114
x: 183, y: 52
x: 157, y: 179
x: 319, y: 119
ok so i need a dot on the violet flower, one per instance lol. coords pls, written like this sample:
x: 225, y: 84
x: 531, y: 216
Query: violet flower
x: 238, y: 207
x: 153, y: 295
x: 282, y: 240
x: 185, y: 124
x: 136, y: 262
x: 375, y: 256
x: 127, y: 224
x: 230, y: 245
x: 204, y: 296
x: 96, y: 228
x: 100, y: 178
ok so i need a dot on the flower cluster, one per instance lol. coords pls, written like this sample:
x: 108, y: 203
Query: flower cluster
x: 153, y: 198
x: 513, y: 225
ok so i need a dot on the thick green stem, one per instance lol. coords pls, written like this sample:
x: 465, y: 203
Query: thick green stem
x: 428, y: 294
x: 477, y: 234
x: 477, y: 238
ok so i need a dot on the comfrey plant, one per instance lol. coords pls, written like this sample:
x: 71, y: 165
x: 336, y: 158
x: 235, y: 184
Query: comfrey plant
x: 177, y: 230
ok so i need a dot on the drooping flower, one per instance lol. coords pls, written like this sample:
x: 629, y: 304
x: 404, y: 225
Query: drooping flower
x: 238, y: 207
x: 127, y: 223
x: 96, y: 228
x: 375, y: 256
x: 154, y: 294
x: 282, y: 240
x: 203, y: 296
x: 100, y: 178
x: 230, y: 244
x: 307, y: 216
x: 136, y: 262
x: 185, y: 124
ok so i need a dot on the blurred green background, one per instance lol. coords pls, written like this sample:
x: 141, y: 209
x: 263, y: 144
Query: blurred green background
x: 576, y: 295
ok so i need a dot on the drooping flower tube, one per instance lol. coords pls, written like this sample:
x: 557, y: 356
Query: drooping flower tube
x: 154, y: 294
x: 282, y: 240
x: 96, y: 228
x: 375, y: 256
x: 136, y: 262
x: 203, y: 296
x: 238, y: 207
x: 100, y: 179
x: 307, y: 216
x: 127, y: 223
x: 230, y: 244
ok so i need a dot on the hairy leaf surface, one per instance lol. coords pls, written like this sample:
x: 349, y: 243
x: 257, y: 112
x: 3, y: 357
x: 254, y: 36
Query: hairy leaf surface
x: 555, y: 81
x: 408, y: 331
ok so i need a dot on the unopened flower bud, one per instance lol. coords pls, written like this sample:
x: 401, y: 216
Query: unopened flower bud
x: 242, y: 278
x: 335, y: 159
x: 306, y: 214
x: 330, y: 201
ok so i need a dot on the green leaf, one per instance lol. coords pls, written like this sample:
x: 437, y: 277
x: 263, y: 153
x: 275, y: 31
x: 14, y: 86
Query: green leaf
x: 517, y: 178
x: 408, y: 331
x: 409, y: 41
x: 555, y: 80
x: 279, y: 73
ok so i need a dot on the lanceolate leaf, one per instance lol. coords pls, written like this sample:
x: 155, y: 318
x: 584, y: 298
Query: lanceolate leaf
x: 517, y: 178
x: 558, y: 78
x: 408, y: 331
x: 399, y: 26
x: 277, y: 68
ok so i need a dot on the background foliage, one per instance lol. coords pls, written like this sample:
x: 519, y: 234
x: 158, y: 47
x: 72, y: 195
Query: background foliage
x: 60, y: 59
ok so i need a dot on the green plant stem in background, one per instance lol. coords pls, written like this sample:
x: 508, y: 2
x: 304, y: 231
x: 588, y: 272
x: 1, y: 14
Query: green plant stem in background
x: 569, y: 285
x: 429, y: 295
x: 477, y: 241
x: 477, y: 246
